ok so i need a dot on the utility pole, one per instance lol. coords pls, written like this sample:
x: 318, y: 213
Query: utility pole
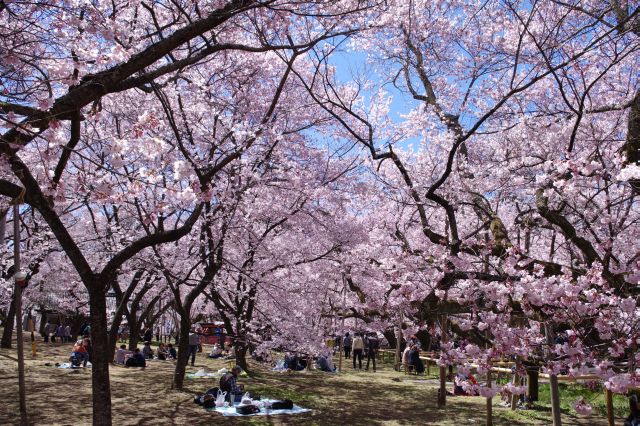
x: 19, y: 280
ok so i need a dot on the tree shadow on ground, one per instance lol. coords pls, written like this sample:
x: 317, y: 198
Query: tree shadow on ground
x: 144, y: 397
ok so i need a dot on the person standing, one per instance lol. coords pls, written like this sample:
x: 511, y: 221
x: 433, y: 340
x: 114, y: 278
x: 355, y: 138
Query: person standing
x: 148, y: 335
x: 60, y: 332
x: 67, y: 333
x: 47, y: 331
x: 373, y: 344
x: 358, y: 348
x: 348, y: 341
x: 194, y: 343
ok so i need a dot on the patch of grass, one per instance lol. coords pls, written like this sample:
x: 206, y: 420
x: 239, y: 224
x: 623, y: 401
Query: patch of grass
x: 571, y: 392
x: 279, y: 392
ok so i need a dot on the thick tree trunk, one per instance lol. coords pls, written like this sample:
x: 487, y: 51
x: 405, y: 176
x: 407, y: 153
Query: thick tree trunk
x: 7, y: 333
x: 100, y: 358
x: 76, y: 323
x: 532, y: 382
x: 183, y: 353
x: 134, y: 331
x: 241, y: 356
x: 390, y: 335
x: 424, y: 338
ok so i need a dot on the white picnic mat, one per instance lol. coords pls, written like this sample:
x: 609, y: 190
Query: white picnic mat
x: 231, y: 411
x: 68, y: 365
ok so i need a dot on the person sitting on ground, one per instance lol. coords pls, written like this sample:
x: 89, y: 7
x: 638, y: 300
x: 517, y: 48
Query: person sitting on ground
x: 325, y: 364
x: 121, y: 354
x: 163, y: 352
x: 415, y: 361
x: 80, y: 352
x: 231, y: 351
x: 136, y: 360
x: 229, y: 384
x: 216, y: 352
x: 173, y: 354
x: 147, y: 352
x: 295, y: 363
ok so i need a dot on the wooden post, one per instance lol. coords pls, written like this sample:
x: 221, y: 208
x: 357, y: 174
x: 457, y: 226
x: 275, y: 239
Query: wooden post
x: 532, y: 382
x: 398, y: 358
x: 442, y: 392
x: 18, y: 291
x: 608, y: 395
x: 489, y: 402
x: 514, y: 397
x: 553, y: 382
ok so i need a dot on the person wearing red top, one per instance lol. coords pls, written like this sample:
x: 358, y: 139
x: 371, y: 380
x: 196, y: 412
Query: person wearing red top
x: 81, y: 352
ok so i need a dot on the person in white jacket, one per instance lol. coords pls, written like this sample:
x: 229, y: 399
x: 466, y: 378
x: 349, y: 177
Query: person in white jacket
x: 358, y: 349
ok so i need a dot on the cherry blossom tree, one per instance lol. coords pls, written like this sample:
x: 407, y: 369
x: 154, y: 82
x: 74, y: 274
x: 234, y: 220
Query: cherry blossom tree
x: 83, y: 88
x: 524, y: 173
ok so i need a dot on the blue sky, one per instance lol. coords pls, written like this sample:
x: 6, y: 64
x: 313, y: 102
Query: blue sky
x: 349, y: 63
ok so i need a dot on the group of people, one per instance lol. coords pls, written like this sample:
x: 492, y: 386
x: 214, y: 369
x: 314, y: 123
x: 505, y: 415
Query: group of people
x: 294, y: 362
x: 138, y: 358
x: 411, y: 355
x: 227, y: 352
x: 361, y: 345
x: 60, y: 331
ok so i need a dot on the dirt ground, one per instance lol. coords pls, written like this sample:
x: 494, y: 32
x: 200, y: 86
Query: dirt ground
x: 144, y: 397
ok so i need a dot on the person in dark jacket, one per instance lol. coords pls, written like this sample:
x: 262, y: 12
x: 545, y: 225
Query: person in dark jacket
x: 373, y: 344
x: 415, y: 361
x: 136, y: 360
x: 148, y: 335
x: 229, y: 384
x: 348, y: 341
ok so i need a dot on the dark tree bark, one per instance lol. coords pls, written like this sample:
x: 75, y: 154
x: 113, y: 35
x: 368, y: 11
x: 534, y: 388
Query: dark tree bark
x: 101, y: 384
x: 241, y: 354
x: 533, y: 373
x: 390, y: 335
x: 7, y: 332
x: 183, y: 352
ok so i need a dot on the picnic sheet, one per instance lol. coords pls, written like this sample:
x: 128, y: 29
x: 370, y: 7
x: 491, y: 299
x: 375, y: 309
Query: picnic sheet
x: 231, y: 411
x: 68, y: 365
x: 207, y: 375
x: 203, y: 374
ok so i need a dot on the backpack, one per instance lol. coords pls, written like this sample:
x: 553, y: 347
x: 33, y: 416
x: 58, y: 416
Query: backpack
x: 208, y: 401
x: 286, y: 404
x: 247, y: 409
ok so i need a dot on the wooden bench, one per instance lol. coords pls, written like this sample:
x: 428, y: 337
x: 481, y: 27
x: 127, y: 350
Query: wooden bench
x: 407, y: 368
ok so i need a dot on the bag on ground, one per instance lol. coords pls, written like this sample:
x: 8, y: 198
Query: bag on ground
x: 247, y: 409
x: 286, y: 404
